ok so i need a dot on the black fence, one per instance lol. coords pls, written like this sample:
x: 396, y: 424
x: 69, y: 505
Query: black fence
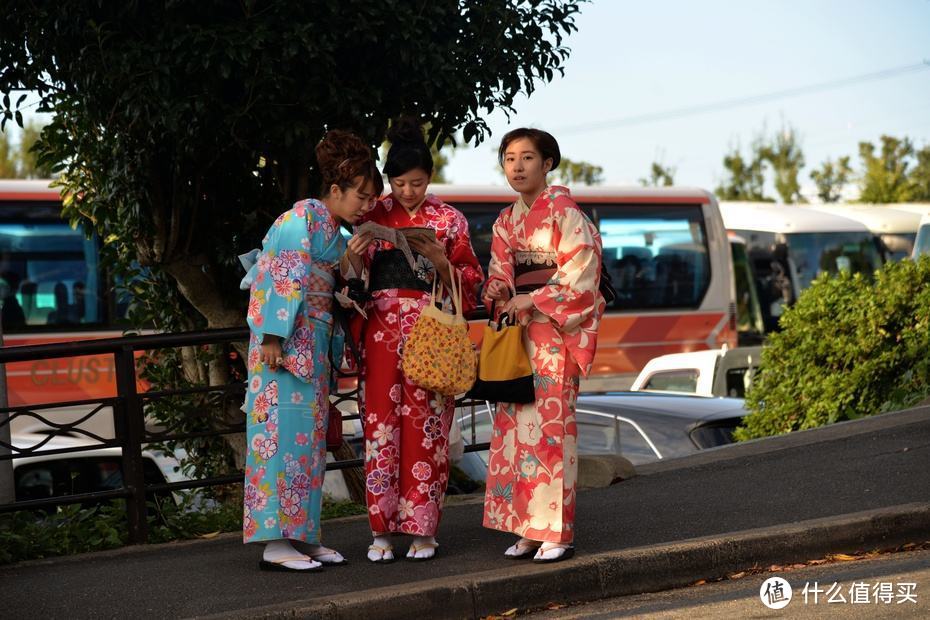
x: 130, y: 431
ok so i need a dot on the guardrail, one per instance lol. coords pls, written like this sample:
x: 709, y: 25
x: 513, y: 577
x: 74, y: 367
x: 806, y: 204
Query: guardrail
x: 128, y: 408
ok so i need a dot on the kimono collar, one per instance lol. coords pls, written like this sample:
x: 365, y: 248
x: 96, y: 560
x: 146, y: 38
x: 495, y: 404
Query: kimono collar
x: 547, y: 196
x: 389, y: 202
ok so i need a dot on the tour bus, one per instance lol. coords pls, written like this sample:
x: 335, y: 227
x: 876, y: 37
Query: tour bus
x: 53, y: 289
x: 666, y: 250
x: 895, y: 228
x: 789, y: 246
x: 668, y: 256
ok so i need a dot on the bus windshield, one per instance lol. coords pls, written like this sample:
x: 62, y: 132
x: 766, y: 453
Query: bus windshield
x: 831, y: 252
x: 49, y: 276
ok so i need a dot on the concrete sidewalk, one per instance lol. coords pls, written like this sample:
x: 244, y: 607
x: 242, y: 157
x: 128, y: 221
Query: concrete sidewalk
x: 852, y: 486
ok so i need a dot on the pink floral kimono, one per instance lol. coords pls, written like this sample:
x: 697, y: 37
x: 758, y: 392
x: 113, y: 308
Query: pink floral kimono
x: 553, y: 252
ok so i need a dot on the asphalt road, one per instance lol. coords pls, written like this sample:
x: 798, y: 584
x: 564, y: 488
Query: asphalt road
x: 771, y: 482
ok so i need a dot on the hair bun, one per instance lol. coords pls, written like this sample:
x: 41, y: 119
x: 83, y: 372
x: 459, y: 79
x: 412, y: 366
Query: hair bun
x: 405, y: 130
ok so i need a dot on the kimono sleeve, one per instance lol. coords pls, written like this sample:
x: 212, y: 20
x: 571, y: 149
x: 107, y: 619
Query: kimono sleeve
x: 277, y: 291
x: 571, y: 296
x: 500, y: 266
x: 461, y: 256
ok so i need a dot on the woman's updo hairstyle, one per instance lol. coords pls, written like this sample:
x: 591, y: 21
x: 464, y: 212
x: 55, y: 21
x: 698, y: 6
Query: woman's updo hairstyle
x: 342, y: 158
x: 408, y: 148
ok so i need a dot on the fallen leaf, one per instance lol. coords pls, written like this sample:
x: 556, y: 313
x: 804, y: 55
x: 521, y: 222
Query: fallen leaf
x: 699, y: 583
x: 510, y: 612
x: 210, y: 535
x: 555, y: 606
x: 845, y: 557
x: 738, y: 575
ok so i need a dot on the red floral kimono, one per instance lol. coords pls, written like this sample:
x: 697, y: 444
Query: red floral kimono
x: 406, y: 427
x: 553, y: 252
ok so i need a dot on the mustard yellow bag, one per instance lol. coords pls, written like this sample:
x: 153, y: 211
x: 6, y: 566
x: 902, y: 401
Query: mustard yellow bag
x: 438, y: 356
x: 504, y: 371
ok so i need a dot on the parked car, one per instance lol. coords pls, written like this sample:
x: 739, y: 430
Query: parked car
x: 714, y: 372
x: 45, y: 475
x: 639, y: 426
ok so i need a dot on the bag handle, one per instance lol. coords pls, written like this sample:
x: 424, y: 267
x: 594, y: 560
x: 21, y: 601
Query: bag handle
x: 455, y: 292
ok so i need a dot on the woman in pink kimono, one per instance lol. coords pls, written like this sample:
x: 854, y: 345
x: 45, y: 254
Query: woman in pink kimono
x: 545, y: 271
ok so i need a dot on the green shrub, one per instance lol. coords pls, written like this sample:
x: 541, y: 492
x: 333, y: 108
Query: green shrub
x: 31, y: 535
x: 850, y: 347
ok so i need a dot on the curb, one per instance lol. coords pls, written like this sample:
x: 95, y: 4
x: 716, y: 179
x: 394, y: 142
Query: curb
x: 618, y: 573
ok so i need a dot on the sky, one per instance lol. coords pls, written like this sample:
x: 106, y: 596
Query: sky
x: 630, y: 59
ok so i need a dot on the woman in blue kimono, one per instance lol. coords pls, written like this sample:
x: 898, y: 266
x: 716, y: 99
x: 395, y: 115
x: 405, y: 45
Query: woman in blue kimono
x: 291, y: 344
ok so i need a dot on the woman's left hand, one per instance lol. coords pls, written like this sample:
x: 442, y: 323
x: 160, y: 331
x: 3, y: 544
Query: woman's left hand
x: 519, y: 307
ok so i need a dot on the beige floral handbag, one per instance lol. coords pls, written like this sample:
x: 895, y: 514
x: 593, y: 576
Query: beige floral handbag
x: 438, y: 355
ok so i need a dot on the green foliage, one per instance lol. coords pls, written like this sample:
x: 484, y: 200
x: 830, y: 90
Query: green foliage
x: 885, y: 176
x: 22, y: 162
x: 183, y: 129
x: 783, y: 152
x: 831, y: 178
x: 876, y: 358
x: 745, y: 176
x: 574, y: 172
x: 31, y: 535
x: 659, y: 176
x: 336, y: 508
x: 920, y: 176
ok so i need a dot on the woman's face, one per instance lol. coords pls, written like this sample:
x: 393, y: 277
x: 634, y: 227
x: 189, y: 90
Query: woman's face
x: 524, y: 166
x: 348, y: 205
x: 409, y: 189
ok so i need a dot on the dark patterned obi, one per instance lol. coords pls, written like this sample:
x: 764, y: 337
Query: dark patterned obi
x: 533, y: 270
x: 390, y: 270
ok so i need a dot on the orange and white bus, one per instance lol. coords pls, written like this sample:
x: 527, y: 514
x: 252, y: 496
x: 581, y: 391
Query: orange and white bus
x: 666, y: 250
x: 52, y: 289
x: 669, y: 258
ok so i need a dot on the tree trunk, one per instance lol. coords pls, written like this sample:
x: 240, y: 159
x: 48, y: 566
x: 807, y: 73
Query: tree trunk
x: 354, y: 476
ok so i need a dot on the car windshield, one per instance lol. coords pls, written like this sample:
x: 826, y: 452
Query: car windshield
x: 831, y: 252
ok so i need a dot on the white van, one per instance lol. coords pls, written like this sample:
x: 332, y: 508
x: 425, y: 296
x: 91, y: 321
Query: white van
x: 896, y: 228
x: 789, y: 246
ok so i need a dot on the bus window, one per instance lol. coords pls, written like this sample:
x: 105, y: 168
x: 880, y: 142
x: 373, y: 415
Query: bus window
x: 481, y: 218
x: 657, y: 256
x: 50, y: 277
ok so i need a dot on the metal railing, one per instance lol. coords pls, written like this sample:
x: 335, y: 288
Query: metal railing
x: 128, y: 407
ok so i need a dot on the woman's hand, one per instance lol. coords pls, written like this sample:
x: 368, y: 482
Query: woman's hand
x: 272, y: 355
x: 519, y: 307
x: 351, y: 264
x: 358, y: 244
x: 496, y: 290
x: 433, y: 251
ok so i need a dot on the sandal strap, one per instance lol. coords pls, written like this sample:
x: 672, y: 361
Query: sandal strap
x: 302, y: 558
x: 424, y: 545
x: 380, y: 548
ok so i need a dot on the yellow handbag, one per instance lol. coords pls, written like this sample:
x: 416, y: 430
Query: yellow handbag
x: 504, y: 371
x: 438, y: 356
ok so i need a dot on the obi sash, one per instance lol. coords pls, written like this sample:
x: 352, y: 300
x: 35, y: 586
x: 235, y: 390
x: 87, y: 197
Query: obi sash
x: 390, y: 270
x: 533, y: 270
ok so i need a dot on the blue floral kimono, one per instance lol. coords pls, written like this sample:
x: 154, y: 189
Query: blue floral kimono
x: 291, y: 286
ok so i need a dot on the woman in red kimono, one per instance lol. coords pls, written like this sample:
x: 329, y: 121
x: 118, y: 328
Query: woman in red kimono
x: 407, y: 427
x: 545, y: 271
